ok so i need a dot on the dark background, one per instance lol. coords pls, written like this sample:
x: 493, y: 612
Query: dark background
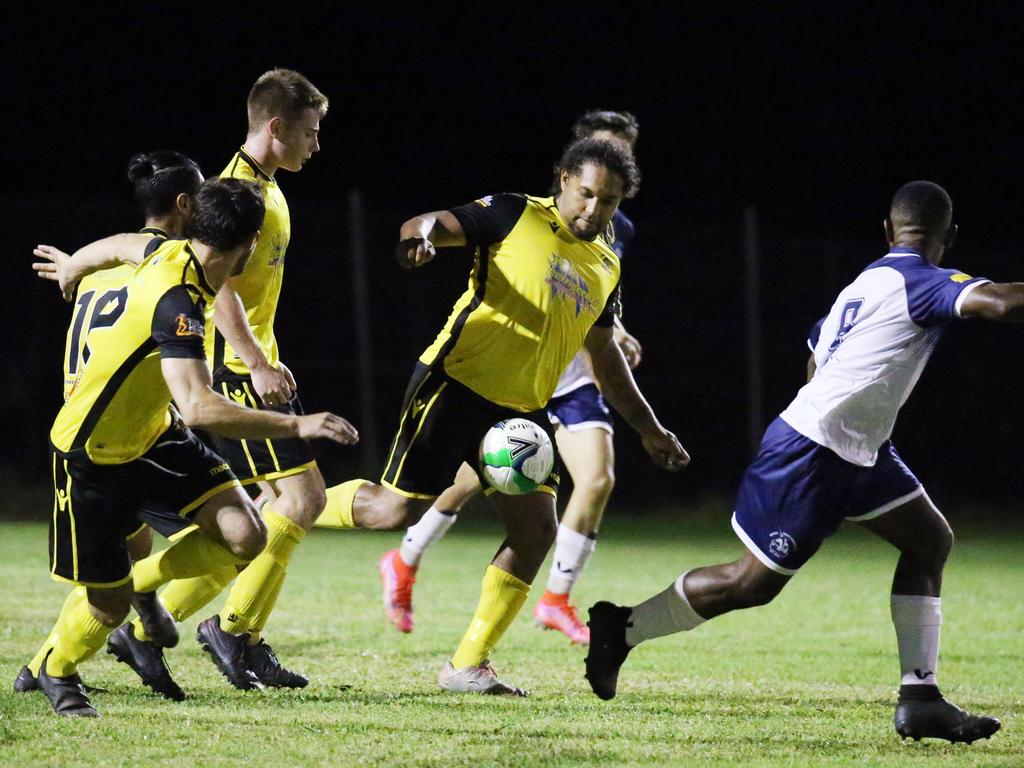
x: 813, y: 117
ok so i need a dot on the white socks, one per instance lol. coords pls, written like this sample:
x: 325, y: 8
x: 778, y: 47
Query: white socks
x: 572, y: 550
x: 418, y: 538
x: 666, y: 613
x: 917, y: 620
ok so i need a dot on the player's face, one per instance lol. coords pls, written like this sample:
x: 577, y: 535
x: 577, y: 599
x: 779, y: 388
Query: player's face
x: 588, y: 199
x: 246, y: 253
x: 297, y: 139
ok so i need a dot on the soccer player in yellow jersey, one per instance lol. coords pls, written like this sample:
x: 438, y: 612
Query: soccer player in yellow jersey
x: 583, y: 431
x: 543, y: 285
x: 116, y: 447
x: 284, y: 113
x: 164, y: 184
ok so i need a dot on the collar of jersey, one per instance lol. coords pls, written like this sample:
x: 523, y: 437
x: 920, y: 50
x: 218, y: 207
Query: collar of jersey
x: 552, y: 205
x: 900, y: 250
x: 247, y: 159
x: 200, y: 273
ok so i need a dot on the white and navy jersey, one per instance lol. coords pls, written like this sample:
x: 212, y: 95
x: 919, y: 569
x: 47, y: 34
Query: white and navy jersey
x: 579, y: 373
x: 870, y: 351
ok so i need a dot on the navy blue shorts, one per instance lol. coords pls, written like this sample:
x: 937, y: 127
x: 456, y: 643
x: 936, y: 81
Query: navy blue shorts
x: 582, y: 408
x: 796, y: 493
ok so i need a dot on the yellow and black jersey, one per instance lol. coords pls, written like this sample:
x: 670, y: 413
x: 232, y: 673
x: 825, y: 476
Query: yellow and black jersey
x: 96, y: 297
x: 534, y: 292
x: 120, y: 403
x: 259, y: 286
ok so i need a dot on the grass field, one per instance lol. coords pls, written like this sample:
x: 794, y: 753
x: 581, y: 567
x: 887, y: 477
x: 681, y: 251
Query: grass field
x: 807, y: 681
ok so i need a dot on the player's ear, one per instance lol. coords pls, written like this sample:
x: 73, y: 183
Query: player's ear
x: 951, y: 234
x: 183, y: 203
x: 887, y: 226
x: 275, y: 125
x: 563, y: 179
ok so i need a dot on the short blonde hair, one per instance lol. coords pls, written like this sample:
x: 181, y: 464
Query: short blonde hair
x: 282, y: 93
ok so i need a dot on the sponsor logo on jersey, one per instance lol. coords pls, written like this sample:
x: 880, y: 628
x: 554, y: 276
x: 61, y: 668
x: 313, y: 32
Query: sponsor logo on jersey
x: 565, y: 282
x: 960, y: 277
x: 190, y: 326
x: 781, y: 544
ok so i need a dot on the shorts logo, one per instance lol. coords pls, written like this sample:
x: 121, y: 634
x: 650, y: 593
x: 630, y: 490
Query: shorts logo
x: 190, y: 326
x: 219, y: 469
x: 960, y: 277
x: 781, y: 545
x: 485, y: 202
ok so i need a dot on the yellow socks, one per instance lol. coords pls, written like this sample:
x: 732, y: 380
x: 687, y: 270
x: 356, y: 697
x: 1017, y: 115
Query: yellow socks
x: 183, y: 597
x: 194, y: 554
x: 338, y: 510
x: 78, y: 636
x: 257, y: 587
x: 501, y: 597
x: 76, y: 596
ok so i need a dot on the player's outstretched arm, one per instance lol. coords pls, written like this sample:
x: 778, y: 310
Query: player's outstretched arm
x: 618, y: 386
x: 190, y: 383
x: 274, y: 386
x: 995, y: 301
x: 68, y: 271
x: 418, y: 237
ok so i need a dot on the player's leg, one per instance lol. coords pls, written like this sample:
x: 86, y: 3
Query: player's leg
x: 789, y: 501
x: 398, y: 567
x: 298, y: 501
x: 530, y: 525
x: 923, y: 537
x: 589, y: 457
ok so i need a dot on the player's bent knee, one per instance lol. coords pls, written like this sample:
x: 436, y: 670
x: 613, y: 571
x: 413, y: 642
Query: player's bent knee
x: 752, y: 585
x: 249, y: 540
x: 110, y: 607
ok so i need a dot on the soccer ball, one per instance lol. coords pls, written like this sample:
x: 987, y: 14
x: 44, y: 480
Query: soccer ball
x: 516, y: 456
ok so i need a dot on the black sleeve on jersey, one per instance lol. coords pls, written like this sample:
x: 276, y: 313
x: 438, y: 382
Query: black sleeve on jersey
x: 490, y: 219
x: 152, y: 245
x: 179, y: 325
x: 612, y: 309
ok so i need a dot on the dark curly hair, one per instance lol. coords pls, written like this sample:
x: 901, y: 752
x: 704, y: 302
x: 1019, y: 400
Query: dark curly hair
x: 622, y: 123
x: 608, y: 154
x: 228, y: 212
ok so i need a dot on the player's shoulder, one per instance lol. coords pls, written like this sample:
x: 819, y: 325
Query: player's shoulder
x: 243, y: 166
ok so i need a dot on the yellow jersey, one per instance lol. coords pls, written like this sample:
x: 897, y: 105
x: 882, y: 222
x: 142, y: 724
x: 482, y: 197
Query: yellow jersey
x: 259, y: 286
x: 119, y: 406
x: 534, y: 292
x: 96, y: 297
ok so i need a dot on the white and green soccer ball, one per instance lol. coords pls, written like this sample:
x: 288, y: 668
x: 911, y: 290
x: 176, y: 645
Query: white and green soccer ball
x: 516, y: 456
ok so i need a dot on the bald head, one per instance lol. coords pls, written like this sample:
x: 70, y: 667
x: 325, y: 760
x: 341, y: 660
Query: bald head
x: 921, y: 217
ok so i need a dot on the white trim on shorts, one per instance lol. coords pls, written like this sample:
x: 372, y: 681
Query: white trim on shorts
x: 888, y: 507
x: 756, y: 551
x: 582, y: 426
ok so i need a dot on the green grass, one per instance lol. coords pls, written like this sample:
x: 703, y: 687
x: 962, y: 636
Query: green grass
x: 807, y: 681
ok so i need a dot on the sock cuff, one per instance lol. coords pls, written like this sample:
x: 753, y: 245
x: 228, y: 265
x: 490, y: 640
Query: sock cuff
x: 922, y: 610
x: 682, y: 609
x: 502, y: 578
x: 574, y: 538
x: 338, y: 511
x: 281, y: 525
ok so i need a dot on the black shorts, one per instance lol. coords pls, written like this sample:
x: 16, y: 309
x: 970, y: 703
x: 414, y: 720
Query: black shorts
x: 96, y: 506
x: 255, y: 460
x: 441, y: 426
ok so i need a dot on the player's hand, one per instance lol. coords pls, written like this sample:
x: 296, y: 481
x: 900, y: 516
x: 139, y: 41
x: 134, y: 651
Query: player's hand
x: 414, y: 252
x: 55, y: 266
x: 328, y: 426
x: 665, y: 449
x: 272, y: 386
x: 290, y: 378
x: 630, y: 347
